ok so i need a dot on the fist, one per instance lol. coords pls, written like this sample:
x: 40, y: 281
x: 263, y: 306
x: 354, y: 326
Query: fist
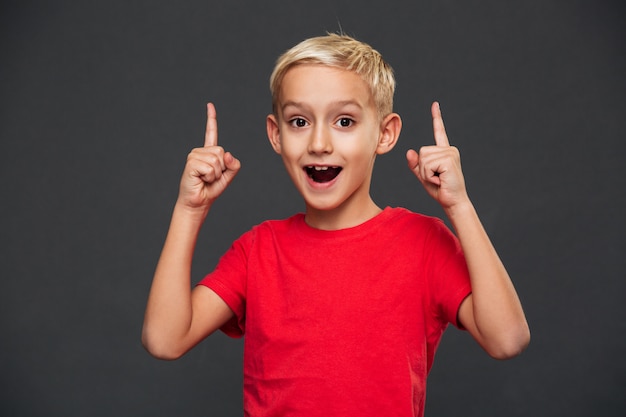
x: 209, y: 169
x: 438, y: 167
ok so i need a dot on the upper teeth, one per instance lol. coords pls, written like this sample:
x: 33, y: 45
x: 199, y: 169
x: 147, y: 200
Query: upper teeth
x: 320, y: 168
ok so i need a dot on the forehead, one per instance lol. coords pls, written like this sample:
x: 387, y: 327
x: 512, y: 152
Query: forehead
x: 321, y: 85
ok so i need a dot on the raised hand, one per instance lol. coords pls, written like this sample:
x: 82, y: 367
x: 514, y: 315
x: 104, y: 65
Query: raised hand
x: 438, y: 167
x: 209, y: 169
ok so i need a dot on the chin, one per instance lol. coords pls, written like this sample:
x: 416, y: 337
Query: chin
x: 321, y: 205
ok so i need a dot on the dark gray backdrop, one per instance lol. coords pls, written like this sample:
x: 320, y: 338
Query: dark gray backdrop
x: 101, y: 102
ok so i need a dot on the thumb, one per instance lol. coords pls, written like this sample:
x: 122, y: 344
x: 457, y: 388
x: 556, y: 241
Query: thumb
x: 233, y: 165
x: 413, y: 160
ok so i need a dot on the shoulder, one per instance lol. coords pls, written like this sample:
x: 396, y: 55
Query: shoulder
x: 402, y: 217
x: 271, y: 228
x: 431, y: 232
x: 279, y: 225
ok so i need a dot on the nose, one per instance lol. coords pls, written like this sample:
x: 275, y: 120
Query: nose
x: 320, y: 141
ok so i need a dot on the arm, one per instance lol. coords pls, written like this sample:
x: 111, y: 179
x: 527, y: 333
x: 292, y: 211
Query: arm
x: 177, y: 318
x: 492, y: 314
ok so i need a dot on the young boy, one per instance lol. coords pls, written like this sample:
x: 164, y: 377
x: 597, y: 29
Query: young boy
x: 343, y: 306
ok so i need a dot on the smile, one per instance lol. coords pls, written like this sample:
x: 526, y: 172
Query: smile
x: 322, y: 173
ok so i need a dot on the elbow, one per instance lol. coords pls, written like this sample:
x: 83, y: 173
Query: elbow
x: 160, y: 347
x: 510, y: 345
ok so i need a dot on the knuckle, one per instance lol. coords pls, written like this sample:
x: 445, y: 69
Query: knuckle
x: 195, y: 153
x: 192, y: 154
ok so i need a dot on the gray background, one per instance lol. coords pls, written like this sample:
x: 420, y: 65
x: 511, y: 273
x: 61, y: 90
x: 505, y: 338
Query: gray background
x: 102, y: 101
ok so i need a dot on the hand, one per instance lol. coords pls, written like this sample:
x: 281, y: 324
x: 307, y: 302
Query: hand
x: 209, y: 170
x: 438, y: 167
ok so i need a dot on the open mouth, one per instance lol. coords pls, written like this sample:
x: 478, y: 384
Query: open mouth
x: 322, y: 173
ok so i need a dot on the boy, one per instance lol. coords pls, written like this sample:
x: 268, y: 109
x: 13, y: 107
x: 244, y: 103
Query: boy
x: 343, y: 306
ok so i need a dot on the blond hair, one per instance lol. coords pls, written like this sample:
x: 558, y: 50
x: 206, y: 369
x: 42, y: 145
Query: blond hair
x: 344, y: 52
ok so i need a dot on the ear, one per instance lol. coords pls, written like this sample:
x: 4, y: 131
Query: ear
x: 273, y: 132
x: 390, y: 129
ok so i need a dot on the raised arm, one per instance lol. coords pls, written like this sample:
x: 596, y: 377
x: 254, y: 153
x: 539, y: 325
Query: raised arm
x: 177, y: 318
x: 492, y: 314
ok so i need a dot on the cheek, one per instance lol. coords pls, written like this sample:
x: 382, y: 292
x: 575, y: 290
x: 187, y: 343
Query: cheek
x: 291, y: 159
x: 290, y: 152
x: 358, y: 148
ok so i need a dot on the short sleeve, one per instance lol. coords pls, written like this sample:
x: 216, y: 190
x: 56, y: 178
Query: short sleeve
x: 228, y: 281
x: 449, y: 282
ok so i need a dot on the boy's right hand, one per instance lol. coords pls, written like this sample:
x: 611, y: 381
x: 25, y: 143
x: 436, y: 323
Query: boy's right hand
x: 209, y: 170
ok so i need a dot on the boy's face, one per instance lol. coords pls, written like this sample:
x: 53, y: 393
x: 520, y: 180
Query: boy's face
x: 328, y: 132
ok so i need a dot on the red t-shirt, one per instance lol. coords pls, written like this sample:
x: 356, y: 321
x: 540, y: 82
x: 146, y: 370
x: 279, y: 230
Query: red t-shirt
x: 345, y: 322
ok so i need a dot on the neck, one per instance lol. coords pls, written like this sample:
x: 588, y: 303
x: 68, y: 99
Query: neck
x: 341, y: 217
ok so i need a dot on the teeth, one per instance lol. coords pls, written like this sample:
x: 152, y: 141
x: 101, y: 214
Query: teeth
x: 318, y: 168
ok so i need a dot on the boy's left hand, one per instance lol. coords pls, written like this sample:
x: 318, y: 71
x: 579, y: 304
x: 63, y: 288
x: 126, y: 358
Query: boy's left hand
x: 438, y: 167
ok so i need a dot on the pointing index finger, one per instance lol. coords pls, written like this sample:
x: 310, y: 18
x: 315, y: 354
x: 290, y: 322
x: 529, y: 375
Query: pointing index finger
x: 210, y: 137
x: 439, y: 130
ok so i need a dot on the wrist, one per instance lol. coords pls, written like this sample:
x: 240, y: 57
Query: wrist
x: 460, y: 210
x: 194, y: 214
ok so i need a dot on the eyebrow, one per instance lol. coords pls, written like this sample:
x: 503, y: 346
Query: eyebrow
x: 338, y: 103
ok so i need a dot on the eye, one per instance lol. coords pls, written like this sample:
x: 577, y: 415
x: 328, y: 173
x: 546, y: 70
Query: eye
x: 298, y: 122
x: 345, y: 122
